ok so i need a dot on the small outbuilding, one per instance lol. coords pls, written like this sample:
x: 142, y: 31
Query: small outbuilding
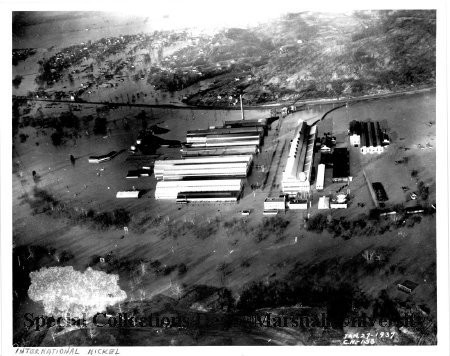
x: 128, y: 194
x: 275, y: 203
x: 324, y: 203
x: 298, y: 204
x: 320, y: 177
x: 407, y: 286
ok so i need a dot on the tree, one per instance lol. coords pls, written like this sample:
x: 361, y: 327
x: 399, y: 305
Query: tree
x: 86, y: 120
x: 176, y: 290
x: 23, y: 137
x: 143, y: 117
x: 423, y: 190
x: 317, y: 223
x: 68, y: 119
x: 15, y: 117
x: 121, y: 217
x: 357, y: 87
x: 182, y: 269
x: 100, y: 125
x: 56, y: 138
x: 63, y: 290
x: 17, y: 80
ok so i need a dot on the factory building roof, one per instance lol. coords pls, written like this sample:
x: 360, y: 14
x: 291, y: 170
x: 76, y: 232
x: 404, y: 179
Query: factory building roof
x: 374, y: 135
x: 218, y: 151
x: 324, y: 203
x: 275, y: 199
x: 355, y: 127
x: 371, y: 133
x: 210, y: 194
x: 245, y: 123
x: 341, y: 164
x: 221, y: 130
x: 301, y: 152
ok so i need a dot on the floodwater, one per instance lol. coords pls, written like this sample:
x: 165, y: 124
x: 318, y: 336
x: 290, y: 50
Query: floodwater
x: 66, y: 30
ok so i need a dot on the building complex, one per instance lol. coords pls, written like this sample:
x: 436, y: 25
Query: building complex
x: 369, y: 136
x: 213, y: 165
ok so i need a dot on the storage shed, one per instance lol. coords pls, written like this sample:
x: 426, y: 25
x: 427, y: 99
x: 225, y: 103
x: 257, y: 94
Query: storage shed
x: 128, y: 194
x: 275, y: 203
x: 320, y: 177
x: 324, y: 203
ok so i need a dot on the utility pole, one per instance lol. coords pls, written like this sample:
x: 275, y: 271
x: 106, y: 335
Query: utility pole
x: 346, y: 108
x: 242, y: 109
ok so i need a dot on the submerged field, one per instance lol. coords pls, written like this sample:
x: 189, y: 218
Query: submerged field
x: 210, y: 259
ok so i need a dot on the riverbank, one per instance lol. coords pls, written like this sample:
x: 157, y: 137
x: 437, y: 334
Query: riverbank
x: 313, y: 102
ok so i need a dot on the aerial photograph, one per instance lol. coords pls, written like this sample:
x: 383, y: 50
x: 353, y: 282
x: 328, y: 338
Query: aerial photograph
x: 251, y: 184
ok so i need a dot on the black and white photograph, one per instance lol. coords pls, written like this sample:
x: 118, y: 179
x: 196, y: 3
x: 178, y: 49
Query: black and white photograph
x: 187, y: 174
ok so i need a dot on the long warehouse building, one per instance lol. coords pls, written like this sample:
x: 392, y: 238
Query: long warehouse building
x: 297, y: 173
x: 204, y: 167
x: 162, y: 164
x: 198, y: 160
x: 226, y: 139
x: 222, y: 131
x: 171, y: 190
x: 227, y: 143
x: 234, y: 138
x: 208, y: 197
x: 213, y: 170
x: 189, y: 151
x: 248, y: 123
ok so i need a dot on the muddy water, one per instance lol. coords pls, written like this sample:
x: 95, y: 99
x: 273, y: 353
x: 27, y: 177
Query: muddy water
x: 67, y: 31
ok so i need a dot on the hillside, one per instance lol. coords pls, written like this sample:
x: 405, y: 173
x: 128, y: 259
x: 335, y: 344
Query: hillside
x: 310, y: 55
x: 297, y: 56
